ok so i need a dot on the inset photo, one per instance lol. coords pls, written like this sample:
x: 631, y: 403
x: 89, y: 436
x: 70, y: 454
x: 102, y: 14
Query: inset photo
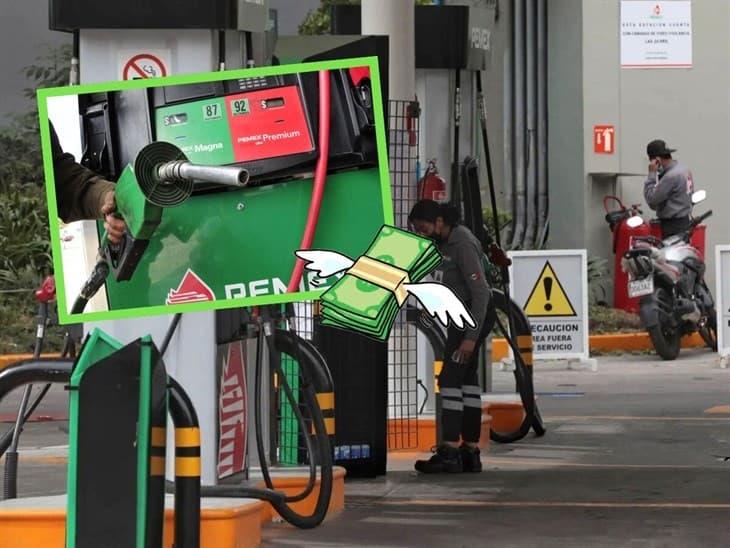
x: 194, y: 193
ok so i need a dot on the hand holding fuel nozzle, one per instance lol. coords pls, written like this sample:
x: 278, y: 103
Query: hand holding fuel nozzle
x: 113, y: 222
x: 161, y: 177
x: 166, y: 178
x: 114, y: 227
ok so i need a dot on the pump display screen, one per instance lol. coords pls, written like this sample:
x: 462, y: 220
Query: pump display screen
x: 175, y: 119
x: 273, y: 103
x: 242, y: 127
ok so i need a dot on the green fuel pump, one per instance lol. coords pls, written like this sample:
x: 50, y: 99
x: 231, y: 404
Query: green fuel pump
x: 162, y: 177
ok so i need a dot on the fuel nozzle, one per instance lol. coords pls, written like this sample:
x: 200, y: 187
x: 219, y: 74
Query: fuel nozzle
x: 167, y: 178
x: 179, y: 171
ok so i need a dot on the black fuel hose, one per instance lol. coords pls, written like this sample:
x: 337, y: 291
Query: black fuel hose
x: 48, y: 370
x: 300, y: 419
x: 91, y: 286
x: 275, y: 358
x: 10, y: 440
x: 324, y: 456
x: 523, y: 380
x: 523, y: 376
x: 279, y: 500
x: 313, y: 381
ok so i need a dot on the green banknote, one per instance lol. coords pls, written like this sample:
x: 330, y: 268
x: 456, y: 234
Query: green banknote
x: 354, y: 303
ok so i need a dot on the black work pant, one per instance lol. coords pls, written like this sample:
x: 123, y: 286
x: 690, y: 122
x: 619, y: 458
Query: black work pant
x: 670, y: 227
x: 461, y: 395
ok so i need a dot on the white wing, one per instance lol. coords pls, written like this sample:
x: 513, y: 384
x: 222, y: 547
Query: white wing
x: 442, y: 303
x: 325, y: 263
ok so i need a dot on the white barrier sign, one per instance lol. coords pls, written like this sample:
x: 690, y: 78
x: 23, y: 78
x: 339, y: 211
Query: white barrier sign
x: 552, y: 289
x: 722, y: 295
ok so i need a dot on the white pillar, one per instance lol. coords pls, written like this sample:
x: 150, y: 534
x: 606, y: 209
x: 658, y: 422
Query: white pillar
x: 396, y: 19
x: 191, y: 356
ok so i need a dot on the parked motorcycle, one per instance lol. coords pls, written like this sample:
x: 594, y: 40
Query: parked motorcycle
x: 668, y: 275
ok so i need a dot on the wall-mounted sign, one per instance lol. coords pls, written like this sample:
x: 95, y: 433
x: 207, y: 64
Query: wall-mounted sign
x: 656, y: 34
x: 604, y: 139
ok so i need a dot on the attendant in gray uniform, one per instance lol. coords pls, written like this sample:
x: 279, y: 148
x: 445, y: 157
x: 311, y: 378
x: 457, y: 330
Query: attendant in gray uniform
x: 668, y: 189
x: 462, y: 270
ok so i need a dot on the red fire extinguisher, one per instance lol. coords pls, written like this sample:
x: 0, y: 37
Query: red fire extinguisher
x: 432, y: 186
x: 623, y: 236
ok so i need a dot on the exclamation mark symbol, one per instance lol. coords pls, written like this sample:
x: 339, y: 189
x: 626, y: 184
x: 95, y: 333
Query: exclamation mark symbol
x: 547, y: 282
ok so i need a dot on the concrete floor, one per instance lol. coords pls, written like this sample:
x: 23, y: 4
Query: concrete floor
x: 631, y: 458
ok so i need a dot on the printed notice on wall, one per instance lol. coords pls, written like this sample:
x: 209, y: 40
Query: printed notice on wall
x: 656, y: 34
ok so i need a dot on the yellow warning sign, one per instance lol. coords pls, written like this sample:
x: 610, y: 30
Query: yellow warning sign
x: 548, y: 298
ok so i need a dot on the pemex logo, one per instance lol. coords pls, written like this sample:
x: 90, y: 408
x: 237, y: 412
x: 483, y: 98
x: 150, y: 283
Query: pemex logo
x: 192, y: 289
x: 233, y: 412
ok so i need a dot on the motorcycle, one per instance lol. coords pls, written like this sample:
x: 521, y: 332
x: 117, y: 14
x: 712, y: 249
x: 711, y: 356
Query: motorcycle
x: 668, y: 276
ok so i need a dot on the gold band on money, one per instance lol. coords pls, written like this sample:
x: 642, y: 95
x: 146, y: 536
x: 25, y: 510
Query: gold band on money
x: 383, y: 275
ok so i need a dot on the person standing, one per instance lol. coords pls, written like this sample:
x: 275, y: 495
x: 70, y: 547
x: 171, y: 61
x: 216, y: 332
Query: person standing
x: 462, y: 270
x: 668, y: 189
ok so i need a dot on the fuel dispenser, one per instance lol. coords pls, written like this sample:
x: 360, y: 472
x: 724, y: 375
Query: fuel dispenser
x: 190, y: 37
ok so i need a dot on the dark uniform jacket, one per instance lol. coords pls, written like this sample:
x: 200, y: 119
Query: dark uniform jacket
x: 669, y: 193
x: 79, y: 191
x: 462, y: 271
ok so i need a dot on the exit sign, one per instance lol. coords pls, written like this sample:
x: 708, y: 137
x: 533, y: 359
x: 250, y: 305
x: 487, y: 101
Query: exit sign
x: 604, y: 139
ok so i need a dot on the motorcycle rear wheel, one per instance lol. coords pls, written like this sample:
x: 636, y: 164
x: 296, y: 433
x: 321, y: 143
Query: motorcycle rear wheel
x: 666, y: 340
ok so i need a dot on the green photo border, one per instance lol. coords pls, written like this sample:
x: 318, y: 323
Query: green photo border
x: 44, y: 94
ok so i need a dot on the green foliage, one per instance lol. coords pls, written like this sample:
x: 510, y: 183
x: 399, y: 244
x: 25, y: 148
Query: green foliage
x: 602, y: 319
x: 20, y: 159
x: 25, y: 249
x: 318, y: 21
x: 503, y: 220
x: 23, y: 231
x: 50, y: 69
x: 20, y: 145
x: 597, y: 273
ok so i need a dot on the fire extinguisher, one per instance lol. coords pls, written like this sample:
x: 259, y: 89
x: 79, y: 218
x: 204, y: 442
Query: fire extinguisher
x: 623, y: 236
x: 432, y: 186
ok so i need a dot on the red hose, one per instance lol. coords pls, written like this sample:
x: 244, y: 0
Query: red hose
x: 320, y: 177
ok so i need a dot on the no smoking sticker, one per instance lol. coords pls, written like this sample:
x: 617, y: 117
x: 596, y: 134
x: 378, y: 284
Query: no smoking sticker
x: 145, y: 64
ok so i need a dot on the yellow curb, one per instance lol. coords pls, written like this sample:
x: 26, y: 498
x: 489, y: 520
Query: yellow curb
x: 40, y: 459
x: 232, y: 527
x: 718, y: 410
x: 607, y: 343
x: 294, y: 485
x: 420, y: 434
x: 9, y: 359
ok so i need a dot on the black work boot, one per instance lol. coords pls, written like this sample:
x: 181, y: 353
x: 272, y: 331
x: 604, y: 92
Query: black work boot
x: 446, y: 459
x: 470, y: 458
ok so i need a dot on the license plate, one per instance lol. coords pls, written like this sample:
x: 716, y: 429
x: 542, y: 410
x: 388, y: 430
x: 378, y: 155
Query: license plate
x: 638, y: 288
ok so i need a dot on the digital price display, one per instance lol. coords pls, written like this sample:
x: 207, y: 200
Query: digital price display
x: 273, y: 103
x: 175, y: 119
